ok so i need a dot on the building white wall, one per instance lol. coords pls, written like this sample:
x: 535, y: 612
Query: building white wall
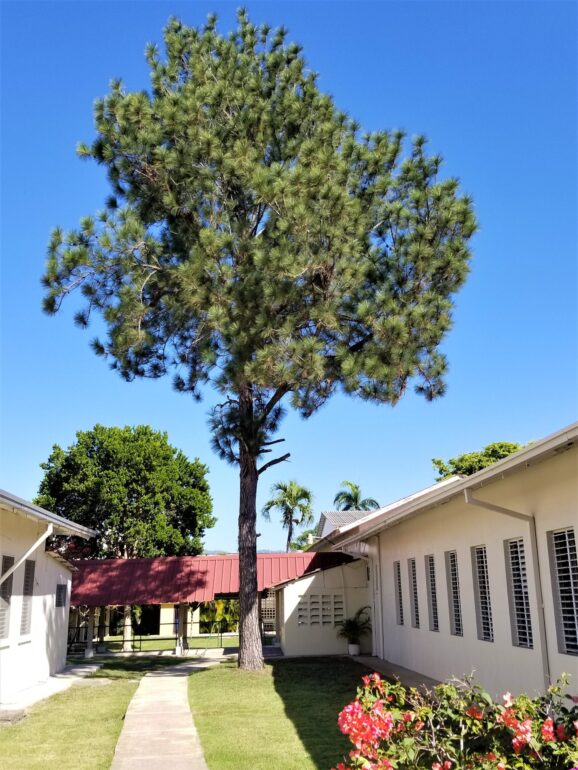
x: 348, y: 581
x: 26, y: 660
x: 549, y: 491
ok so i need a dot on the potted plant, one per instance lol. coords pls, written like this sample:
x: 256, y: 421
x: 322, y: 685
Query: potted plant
x: 352, y: 629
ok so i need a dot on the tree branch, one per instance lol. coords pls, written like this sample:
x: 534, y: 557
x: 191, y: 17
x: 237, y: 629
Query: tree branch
x: 281, y: 459
x: 274, y: 400
x: 270, y: 443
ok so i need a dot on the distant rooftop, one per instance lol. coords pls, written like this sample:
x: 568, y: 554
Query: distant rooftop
x: 331, y: 520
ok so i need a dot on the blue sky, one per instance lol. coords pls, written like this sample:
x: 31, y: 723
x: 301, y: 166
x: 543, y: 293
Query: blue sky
x: 492, y: 85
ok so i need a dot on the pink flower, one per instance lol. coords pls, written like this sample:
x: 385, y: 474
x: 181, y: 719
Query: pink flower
x: 547, y: 730
x: 561, y: 733
x: 507, y: 698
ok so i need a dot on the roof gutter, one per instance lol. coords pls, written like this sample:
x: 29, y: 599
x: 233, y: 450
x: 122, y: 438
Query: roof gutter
x: 471, y: 500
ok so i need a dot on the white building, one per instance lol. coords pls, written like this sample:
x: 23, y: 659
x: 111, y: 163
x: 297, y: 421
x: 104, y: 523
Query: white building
x: 34, y: 595
x: 479, y: 573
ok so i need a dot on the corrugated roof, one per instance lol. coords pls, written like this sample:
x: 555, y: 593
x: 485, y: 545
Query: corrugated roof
x: 172, y: 579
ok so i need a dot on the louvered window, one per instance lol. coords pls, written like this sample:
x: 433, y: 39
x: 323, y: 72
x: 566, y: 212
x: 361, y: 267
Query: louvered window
x: 518, y: 595
x: 320, y: 609
x: 27, y: 591
x: 61, y: 595
x: 414, y: 604
x: 482, y: 593
x: 564, y: 570
x: 432, y: 596
x: 398, y: 594
x: 454, y: 601
x: 5, y: 597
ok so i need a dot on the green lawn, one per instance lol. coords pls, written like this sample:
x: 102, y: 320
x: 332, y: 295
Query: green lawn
x: 283, y: 718
x: 77, y: 729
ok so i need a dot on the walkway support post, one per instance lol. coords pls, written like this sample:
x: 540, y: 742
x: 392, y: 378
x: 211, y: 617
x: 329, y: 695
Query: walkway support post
x: 89, y: 650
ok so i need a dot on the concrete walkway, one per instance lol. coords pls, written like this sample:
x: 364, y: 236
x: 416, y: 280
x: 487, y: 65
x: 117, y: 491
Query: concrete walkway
x: 159, y: 731
x: 406, y: 676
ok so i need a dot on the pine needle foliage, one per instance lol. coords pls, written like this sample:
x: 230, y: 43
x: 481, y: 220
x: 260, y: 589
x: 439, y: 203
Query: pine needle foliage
x: 256, y: 240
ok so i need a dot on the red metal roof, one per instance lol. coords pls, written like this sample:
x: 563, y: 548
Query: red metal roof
x: 172, y: 579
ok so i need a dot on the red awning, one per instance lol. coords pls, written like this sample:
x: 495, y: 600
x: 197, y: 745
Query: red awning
x: 173, y: 579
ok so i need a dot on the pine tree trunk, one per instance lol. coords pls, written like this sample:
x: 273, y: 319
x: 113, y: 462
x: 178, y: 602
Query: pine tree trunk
x: 250, y: 647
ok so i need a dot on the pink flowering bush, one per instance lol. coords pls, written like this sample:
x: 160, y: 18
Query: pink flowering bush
x: 458, y: 727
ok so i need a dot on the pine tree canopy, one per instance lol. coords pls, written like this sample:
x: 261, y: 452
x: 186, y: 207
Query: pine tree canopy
x: 257, y: 237
x: 143, y: 496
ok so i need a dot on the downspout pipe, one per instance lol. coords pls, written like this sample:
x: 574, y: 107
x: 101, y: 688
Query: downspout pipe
x: 471, y: 500
x: 33, y: 547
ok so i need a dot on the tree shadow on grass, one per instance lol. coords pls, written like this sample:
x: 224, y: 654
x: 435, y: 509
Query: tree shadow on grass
x: 314, y: 690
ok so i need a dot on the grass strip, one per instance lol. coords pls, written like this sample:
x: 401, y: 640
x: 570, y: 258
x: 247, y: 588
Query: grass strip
x: 284, y: 717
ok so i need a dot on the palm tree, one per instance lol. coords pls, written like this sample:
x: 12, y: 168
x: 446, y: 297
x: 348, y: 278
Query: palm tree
x: 349, y: 499
x: 294, y: 503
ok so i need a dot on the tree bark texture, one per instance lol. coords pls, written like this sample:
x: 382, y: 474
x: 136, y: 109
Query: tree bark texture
x: 250, y: 647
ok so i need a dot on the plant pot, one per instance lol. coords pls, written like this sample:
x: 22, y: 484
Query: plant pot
x: 353, y: 649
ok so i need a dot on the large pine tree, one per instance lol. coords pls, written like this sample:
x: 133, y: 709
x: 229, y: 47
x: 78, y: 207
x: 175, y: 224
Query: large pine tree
x: 257, y: 240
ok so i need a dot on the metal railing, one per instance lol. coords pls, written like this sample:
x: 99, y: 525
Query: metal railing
x: 110, y: 637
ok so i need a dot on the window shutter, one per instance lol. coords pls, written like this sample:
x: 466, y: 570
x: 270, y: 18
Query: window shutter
x: 61, y: 595
x: 482, y: 593
x: 430, y: 575
x: 5, y: 597
x: 454, y: 601
x: 564, y: 571
x: 398, y: 594
x: 518, y: 594
x: 27, y: 592
x: 414, y: 605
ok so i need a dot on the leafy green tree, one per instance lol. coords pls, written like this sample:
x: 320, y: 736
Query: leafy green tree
x: 258, y: 241
x: 351, y: 499
x: 301, y: 541
x: 294, y: 503
x: 143, y: 496
x: 471, y: 462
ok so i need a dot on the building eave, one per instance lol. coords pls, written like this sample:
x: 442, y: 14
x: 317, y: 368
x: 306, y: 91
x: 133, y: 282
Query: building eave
x: 441, y: 493
x: 61, y: 525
